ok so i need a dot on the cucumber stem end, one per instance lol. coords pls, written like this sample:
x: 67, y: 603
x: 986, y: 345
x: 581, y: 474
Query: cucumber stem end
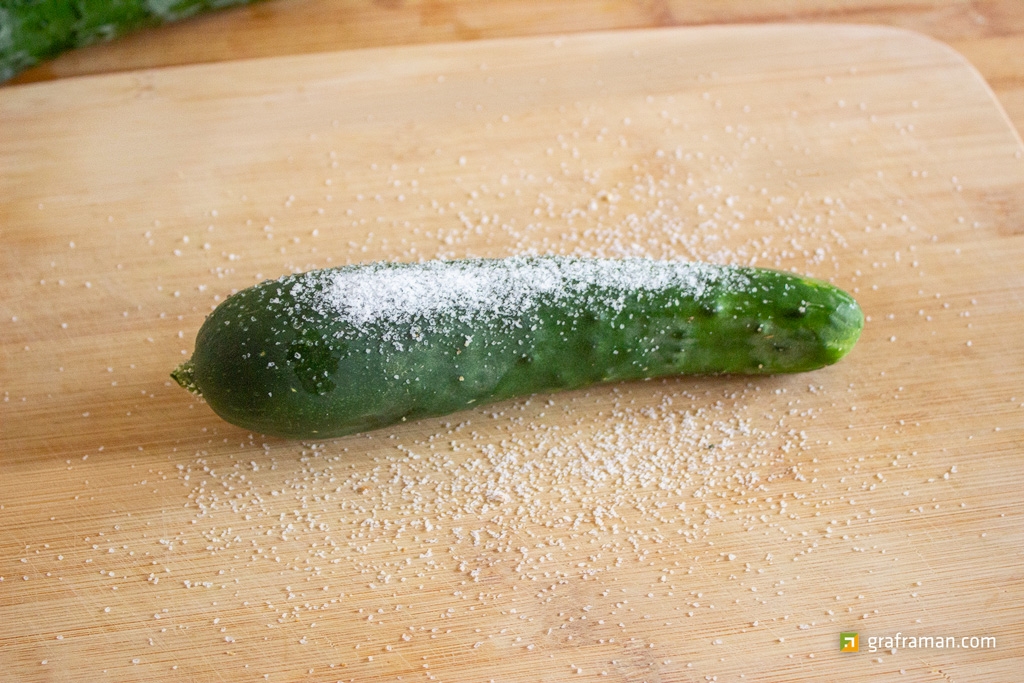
x: 184, y: 375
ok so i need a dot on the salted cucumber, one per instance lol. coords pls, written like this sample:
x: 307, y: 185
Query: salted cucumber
x: 342, y: 350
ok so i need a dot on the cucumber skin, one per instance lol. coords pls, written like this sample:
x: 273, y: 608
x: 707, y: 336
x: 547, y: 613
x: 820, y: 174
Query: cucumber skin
x: 32, y: 31
x: 269, y: 362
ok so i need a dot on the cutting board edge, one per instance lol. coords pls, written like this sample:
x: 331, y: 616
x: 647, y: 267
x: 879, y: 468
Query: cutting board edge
x: 854, y: 31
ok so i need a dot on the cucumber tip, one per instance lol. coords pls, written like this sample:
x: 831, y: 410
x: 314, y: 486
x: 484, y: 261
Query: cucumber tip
x: 184, y: 375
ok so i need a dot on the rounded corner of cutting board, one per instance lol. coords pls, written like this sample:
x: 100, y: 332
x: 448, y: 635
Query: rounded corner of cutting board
x: 916, y: 42
x: 926, y: 43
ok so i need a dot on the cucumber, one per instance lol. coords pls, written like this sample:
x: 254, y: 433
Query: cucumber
x: 32, y: 31
x: 343, y: 350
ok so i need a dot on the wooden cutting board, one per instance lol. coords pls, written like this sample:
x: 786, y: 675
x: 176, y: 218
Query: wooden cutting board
x: 690, y: 529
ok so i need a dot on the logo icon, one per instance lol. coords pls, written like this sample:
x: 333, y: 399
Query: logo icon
x: 849, y: 642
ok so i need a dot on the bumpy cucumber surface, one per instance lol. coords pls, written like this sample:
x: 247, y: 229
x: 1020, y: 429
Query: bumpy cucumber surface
x: 343, y: 350
x: 32, y: 31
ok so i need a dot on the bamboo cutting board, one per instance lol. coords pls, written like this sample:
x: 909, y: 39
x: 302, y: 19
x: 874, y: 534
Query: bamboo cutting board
x: 682, y: 530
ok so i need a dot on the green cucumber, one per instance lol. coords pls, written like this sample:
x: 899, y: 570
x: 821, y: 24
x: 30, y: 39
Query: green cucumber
x: 343, y: 350
x: 32, y: 31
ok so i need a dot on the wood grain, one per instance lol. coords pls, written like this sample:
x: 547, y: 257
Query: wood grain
x: 990, y: 33
x: 674, y: 531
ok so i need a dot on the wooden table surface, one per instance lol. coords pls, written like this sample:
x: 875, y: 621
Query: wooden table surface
x: 143, y: 539
x: 990, y: 33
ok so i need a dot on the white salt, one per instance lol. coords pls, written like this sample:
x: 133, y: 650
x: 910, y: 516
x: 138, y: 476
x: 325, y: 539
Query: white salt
x: 494, y: 289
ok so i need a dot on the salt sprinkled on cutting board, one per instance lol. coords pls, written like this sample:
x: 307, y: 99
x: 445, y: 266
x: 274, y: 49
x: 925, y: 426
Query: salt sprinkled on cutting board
x: 613, y: 520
